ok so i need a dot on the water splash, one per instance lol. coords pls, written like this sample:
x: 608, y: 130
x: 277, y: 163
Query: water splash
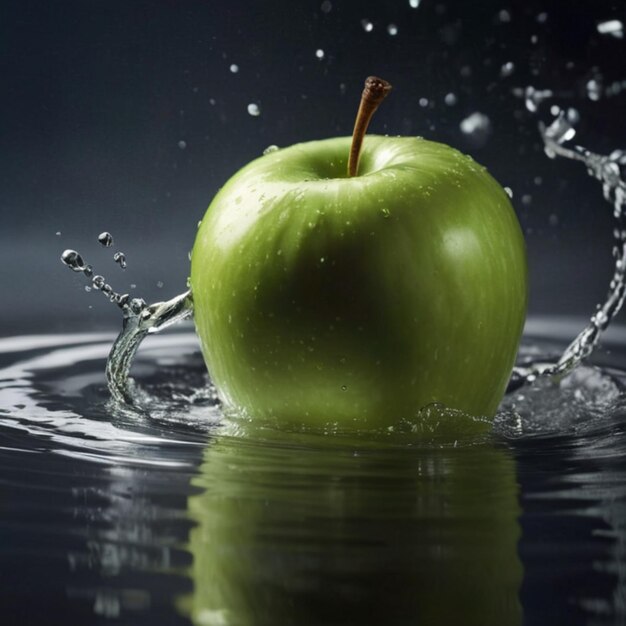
x: 140, y: 319
x: 137, y: 324
x: 608, y: 170
x: 74, y: 261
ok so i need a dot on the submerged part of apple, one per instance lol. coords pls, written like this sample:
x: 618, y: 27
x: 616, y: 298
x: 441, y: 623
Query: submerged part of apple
x: 325, y: 300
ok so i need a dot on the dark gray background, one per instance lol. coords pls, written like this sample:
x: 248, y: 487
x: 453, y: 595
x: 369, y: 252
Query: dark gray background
x: 99, y: 94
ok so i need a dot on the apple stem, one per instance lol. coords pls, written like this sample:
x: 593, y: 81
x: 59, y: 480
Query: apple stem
x: 375, y: 91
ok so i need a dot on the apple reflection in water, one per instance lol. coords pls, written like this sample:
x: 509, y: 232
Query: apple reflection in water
x: 294, y: 529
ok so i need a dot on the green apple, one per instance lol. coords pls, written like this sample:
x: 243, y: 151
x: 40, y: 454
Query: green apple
x: 325, y: 300
x: 290, y: 530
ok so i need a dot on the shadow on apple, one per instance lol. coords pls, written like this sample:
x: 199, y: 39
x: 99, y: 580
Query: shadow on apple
x: 301, y: 529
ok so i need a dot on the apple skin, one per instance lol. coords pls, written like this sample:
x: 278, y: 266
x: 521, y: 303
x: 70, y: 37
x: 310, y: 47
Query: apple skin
x: 351, y: 303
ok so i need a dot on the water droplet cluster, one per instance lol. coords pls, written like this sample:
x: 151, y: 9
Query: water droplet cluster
x: 74, y: 261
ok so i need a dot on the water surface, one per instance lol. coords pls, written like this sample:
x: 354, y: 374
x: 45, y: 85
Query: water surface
x: 165, y: 516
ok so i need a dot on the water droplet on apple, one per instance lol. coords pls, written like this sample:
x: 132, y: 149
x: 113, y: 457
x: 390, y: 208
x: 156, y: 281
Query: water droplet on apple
x: 385, y: 212
x: 474, y: 122
x: 254, y: 109
x: 270, y: 149
x: 368, y: 27
x: 392, y: 30
x: 344, y: 388
x: 509, y: 192
x: 106, y: 239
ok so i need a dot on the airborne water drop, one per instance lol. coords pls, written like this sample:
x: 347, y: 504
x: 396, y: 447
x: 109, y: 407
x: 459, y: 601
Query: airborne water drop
x: 106, y: 239
x: 120, y: 259
x: 73, y: 260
